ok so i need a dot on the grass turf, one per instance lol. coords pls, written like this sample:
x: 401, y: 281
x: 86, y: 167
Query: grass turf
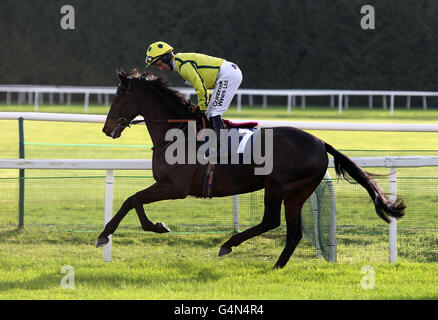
x: 185, y: 266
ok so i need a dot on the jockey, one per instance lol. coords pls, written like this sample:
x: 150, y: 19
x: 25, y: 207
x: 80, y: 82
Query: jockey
x: 203, y: 72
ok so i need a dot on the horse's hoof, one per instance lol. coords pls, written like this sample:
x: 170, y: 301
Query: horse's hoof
x: 101, y: 242
x: 224, y: 250
x: 161, y: 227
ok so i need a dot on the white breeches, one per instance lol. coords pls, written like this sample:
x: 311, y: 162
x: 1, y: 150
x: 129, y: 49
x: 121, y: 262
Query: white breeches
x: 228, y: 81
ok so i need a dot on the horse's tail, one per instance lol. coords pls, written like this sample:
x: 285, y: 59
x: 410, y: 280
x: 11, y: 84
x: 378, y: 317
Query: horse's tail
x: 384, y: 207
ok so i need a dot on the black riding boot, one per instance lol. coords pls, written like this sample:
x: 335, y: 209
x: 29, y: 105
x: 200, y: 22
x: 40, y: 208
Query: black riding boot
x: 217, y: 126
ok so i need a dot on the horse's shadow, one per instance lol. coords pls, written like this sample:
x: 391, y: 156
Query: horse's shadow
x: 51, y: 280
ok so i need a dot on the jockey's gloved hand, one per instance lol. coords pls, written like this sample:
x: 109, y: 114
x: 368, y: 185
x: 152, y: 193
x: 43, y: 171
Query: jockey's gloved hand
x: 197, y: 113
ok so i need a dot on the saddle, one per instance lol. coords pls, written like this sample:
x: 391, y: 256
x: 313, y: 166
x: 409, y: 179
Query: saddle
x: 243, y: 125
x: 202, y: 122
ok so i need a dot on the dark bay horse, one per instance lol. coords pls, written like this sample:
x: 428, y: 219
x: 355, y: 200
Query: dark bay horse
x: 300, y: 161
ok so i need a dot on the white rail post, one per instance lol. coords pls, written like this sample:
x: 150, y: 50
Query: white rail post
x: 393, y: 221
x: 391, y: 104
x: 303, y: 102
x: 340, y: 104
x: 314, y: 202
x: 36, y: 101
x: 109, y: 188
x: 86, y: 101
x: 236, y: 213
x: 332, y: 225
x: 239, y: 103
x: 30, y: 98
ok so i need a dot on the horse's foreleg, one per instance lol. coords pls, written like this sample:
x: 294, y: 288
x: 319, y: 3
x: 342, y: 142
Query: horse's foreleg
x: 271, y: 218
x: 111, y: 226
x: 156, y: 192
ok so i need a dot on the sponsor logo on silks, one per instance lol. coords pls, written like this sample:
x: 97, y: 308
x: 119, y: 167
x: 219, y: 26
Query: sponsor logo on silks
x: 234, y: 66
x: 237, y: 146
x: 222, y: 87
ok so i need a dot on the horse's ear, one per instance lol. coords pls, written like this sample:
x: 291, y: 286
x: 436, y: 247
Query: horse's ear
x: 121, y: 74
x: 122, y: 78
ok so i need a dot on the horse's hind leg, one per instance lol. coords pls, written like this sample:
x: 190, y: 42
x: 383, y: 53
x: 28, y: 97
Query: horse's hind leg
x: 293, y: 232
x: 271, y: 218
x: 293, y: 204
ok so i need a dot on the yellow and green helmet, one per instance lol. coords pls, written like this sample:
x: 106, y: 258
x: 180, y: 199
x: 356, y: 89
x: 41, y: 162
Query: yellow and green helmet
x: 156, y: 50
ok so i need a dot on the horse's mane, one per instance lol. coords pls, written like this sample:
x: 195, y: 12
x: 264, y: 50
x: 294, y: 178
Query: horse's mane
x: 161, y: 85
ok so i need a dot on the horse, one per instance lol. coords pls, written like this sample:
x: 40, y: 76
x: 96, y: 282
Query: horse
x: 300, y: 161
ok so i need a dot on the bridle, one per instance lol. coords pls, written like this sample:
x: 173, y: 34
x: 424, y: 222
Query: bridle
x: 123, y: 123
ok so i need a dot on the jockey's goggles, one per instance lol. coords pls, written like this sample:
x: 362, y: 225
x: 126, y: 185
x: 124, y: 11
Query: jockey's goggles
x: 149, y: 60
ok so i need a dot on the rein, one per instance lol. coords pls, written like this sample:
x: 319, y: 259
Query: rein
x: 123, y: 123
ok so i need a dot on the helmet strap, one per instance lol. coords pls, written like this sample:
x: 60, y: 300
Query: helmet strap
x: 167, y: 59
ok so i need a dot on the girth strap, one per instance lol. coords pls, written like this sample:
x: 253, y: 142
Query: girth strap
x: 208, y: 181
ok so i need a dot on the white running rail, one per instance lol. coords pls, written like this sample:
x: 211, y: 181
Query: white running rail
x: 392, y: 163
x: 35, y: 95
x: 348, y: 126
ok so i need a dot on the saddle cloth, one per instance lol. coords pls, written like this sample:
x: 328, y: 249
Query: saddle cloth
x: 239, y: 146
